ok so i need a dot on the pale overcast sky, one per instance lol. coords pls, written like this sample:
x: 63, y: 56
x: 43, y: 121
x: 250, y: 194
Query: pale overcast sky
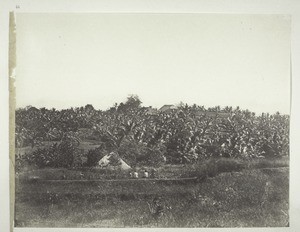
x: 69, y: 60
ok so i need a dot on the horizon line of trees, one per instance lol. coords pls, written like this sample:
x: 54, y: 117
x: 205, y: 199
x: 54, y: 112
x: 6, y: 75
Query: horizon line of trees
x: 174, y: 136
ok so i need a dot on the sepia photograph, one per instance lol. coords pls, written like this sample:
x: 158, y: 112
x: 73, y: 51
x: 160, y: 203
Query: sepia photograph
x: 150, y: 120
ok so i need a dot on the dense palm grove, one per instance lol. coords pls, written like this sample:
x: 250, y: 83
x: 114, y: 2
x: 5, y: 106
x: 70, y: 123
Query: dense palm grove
x: 142, y: 135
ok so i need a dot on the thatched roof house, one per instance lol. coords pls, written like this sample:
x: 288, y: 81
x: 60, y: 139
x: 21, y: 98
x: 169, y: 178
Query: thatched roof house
x: 113, y: 161
x: 167, y: 108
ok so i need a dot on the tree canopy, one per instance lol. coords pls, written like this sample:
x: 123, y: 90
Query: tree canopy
x: 186, y: 134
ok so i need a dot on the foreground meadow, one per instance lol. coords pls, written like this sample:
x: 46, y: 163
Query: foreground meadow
x: 252, y: 196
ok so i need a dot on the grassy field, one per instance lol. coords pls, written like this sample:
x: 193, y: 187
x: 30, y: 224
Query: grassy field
x: 85, y: 145
x: 253, y: 195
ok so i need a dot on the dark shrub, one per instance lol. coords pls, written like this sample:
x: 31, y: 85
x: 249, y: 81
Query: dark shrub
x: 94, y: 155
x: 57, y: 155
x: 153, y: 156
